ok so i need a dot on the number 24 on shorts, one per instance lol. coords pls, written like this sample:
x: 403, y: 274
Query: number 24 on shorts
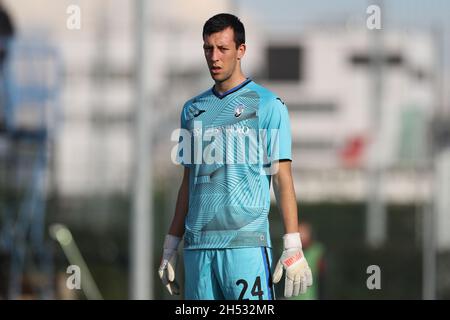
x: 256, y: 289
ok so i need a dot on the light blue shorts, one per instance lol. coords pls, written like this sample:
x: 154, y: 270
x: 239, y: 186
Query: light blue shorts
x: 228, y: 274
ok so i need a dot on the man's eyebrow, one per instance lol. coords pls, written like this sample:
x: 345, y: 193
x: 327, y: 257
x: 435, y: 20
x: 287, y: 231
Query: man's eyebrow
x: 220, y: 45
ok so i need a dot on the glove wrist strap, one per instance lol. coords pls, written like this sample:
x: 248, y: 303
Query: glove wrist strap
x: 292, y: 240
x: 171, y: 242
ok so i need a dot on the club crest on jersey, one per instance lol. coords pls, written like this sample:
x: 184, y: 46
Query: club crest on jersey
x: 238, y: 110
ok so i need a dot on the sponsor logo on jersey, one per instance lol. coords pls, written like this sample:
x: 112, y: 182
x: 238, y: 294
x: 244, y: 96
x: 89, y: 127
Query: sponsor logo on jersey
x: 238, y: 110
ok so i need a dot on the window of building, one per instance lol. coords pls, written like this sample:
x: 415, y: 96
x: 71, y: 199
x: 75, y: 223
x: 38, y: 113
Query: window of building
x: 284, y: 63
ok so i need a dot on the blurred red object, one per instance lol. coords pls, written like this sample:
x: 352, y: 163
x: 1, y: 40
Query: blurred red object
x: 352, y: 154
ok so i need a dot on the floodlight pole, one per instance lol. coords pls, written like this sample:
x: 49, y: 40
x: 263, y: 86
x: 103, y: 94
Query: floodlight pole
x: 431, y: 208
x: 141, y: 244
x: 376, y: 211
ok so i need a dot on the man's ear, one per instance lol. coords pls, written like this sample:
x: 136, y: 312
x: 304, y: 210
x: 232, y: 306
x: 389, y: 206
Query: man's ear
x: 241, y: 51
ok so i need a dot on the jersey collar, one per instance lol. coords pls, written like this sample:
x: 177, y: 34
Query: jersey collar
x: 239, y: 86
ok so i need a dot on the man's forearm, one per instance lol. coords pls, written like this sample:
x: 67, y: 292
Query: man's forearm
x: 292, y: 261
x: 285, y: 196
x: 168, y: 265
x: 181, y: 208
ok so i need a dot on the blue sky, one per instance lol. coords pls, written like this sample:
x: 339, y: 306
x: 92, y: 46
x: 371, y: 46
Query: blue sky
x: 295, y: 12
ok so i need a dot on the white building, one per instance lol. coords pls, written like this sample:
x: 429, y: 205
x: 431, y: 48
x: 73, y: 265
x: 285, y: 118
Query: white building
x: 324, y: 76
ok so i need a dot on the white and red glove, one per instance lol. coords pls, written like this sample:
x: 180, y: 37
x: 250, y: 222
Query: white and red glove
x: 298, y: 273
x: 168, y: 265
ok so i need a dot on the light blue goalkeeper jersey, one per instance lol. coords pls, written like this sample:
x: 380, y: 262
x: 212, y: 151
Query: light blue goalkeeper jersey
x: 229, y: 142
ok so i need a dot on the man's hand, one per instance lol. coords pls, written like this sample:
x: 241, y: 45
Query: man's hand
x: 298, y: 273
x: 168, y: 265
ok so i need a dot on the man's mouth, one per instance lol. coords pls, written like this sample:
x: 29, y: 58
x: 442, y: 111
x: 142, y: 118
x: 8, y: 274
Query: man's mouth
x: 215, y: 69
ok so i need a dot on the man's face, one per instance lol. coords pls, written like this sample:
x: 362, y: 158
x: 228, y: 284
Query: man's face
x: 221, y: 54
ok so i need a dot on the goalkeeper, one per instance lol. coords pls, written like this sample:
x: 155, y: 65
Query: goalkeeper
x: 223, y: 204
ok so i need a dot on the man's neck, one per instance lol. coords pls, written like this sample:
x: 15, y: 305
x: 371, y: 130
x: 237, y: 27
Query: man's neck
x: 222, y: 87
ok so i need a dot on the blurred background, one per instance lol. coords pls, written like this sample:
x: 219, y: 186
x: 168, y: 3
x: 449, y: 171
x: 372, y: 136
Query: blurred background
x: 91, y: 91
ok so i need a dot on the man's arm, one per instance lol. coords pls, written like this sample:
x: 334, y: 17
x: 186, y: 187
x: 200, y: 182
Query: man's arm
x: 168, y: 264
x: 298, y: 273
x: 181, y: 208
x: 283, y: 187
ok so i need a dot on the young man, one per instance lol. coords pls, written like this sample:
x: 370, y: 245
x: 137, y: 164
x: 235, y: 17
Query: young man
x: 224, y: 199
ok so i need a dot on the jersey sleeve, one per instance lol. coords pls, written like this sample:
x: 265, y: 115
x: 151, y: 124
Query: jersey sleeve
x: 274, y: 120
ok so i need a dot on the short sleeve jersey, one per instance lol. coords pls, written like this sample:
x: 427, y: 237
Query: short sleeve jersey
x: 230, y: 142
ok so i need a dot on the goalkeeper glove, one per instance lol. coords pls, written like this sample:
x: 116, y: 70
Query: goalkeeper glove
x: 298, y: 273
x: 169, y: 264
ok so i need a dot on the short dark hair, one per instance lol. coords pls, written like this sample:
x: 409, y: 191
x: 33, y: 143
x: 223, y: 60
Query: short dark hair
x: 223, y: 21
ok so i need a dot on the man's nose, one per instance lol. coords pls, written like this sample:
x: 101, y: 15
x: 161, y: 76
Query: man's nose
x: 214, y: 54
